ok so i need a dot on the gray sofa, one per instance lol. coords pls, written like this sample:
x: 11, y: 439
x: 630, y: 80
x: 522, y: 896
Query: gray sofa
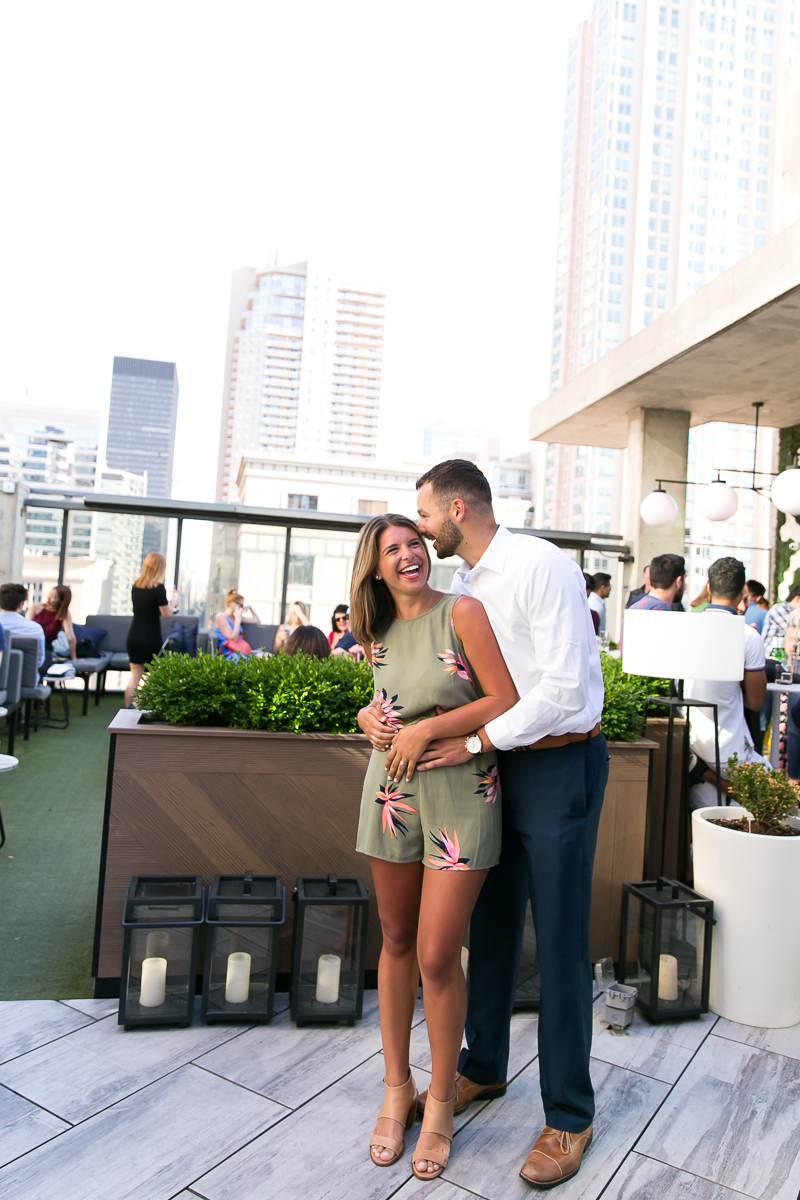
x: 11, y: 662
x: 113, y: 647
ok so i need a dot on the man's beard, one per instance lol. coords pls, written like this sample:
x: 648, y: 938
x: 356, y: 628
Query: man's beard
x: 447, y: 540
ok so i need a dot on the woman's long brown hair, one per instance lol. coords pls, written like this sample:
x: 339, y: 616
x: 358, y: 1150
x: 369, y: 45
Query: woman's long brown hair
x: 64, y: 600
x: 371, y: 604
x: 153, y: 570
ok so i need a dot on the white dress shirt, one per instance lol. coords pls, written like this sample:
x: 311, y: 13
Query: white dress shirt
x: 14, y: 622
x: 535, y: 599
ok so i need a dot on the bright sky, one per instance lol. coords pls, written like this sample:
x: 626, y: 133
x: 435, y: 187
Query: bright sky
x: 151, y: 148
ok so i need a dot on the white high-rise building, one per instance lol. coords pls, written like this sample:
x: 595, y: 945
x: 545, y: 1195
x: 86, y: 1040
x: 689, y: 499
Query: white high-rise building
x: 303, y: 367
x: 670, y: 174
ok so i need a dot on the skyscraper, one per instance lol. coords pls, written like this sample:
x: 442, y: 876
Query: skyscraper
x: 670, y: 174
x: 141, y: 421
x: 303, y: 367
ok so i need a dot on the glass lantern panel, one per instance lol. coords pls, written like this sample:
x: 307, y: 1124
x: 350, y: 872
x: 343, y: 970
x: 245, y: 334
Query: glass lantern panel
x: 153, y: 989
x: 241, y: 964
x: 160, y: 901
x: 329, y: 959
x: 248, y: 912
x: 637, y: 970
x: 680, y: 972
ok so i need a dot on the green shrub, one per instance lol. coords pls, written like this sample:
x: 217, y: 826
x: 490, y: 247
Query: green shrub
x: 768, y: 796
x: 624, y: 699
x: 285, y: 692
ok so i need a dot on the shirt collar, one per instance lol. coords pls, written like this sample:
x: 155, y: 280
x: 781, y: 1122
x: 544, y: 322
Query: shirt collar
x: 494, y: 556
x: 722, y: 608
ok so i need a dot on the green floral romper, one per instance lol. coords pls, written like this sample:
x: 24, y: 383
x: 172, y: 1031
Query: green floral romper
x: 448, y: 818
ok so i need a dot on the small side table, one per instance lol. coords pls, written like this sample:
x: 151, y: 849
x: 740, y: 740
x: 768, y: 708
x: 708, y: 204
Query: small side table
x: 777, y: 689
x: 7, y: 763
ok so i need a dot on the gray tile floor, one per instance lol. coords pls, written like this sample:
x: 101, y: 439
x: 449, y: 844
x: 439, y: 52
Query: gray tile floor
x: 700, y: 1110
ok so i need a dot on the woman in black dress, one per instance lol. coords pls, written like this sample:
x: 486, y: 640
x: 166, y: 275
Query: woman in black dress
x: 149, y: 598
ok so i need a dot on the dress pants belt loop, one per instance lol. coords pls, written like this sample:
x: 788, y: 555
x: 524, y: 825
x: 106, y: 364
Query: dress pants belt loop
x: 553, y: 741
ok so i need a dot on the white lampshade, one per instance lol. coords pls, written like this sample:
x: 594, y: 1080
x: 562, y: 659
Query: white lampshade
x: 659, y: 508
x: 785, y: 491
x: 718, y: 501
x: 673, y: 645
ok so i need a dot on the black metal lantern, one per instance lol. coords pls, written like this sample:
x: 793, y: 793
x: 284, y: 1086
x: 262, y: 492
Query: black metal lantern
x: 665, y: 947
x: 329, y: 949
x: 243, y: 917
x: 162, y: 918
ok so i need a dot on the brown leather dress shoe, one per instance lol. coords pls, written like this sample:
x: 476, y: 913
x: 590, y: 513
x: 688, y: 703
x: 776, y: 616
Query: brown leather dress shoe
x: 467, y: 1091
x: 555, y: 1157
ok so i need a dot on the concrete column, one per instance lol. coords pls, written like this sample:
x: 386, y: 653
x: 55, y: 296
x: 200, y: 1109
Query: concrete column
x: 12, y: 533
x: 658, y: 448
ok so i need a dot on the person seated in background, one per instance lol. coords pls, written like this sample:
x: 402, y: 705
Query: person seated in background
x: 726, y: 584
x: 340, y: 625
x: 597, y: 599
x: 667, y: 579
x: 54, y: 618
x: 639, y: 592
x: 296, y: 617
x: 13, y: 597
x: 307, y: 639
x: 228, y: 625
x: 754, y: 614
x: 701, y: 600
x: 779, y: 616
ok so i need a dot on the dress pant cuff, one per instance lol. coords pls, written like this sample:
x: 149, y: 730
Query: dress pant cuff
x: 477, y: 1073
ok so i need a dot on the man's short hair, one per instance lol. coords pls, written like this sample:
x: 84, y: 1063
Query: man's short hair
x: 600, y: 579
x: 755, y: 588
x: 665, y: 569
x: 726, y: 578
x: 12, y: 595
x: 795, y: 591
x: 457, y: 478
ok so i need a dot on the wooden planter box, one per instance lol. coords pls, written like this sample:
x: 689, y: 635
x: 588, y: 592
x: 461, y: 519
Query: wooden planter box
x: 210, y: 801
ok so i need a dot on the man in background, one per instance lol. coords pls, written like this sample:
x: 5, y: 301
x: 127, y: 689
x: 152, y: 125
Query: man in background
x: 667, y: 574
x: 726, y: 584
x: 778, y: 618
x: 642, y: 591
x: 597, y: 598
x: 13, y: 598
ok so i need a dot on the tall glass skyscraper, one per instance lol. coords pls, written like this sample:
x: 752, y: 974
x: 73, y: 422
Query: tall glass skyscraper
x: 141, y: 420
x: 670, y: 173
x: 303, y: 367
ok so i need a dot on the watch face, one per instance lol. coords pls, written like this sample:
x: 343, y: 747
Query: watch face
x: 474, y: 744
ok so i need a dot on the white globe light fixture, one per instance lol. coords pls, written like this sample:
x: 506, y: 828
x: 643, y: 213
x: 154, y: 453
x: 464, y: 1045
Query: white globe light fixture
x: 785, y: 491
x: 718, y: 501
x: 659, y: 508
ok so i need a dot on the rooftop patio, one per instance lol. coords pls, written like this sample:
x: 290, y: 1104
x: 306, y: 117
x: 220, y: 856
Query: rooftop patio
x: 705, y: 1109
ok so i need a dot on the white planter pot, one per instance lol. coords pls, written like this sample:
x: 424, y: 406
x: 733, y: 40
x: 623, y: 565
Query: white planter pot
x: 754, y: 881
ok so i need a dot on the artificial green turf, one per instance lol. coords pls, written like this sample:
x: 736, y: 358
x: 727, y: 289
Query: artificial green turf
x: 52, y: 807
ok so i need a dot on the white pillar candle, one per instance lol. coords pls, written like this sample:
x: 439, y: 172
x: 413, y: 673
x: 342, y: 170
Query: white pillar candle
x: 668, y: 977
x: 157, y: 943
x: 154, y: 981
x: 328, y: 970
x: 237, y: 980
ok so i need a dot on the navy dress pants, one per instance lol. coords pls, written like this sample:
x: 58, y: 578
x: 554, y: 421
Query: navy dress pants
x: 551, y: 809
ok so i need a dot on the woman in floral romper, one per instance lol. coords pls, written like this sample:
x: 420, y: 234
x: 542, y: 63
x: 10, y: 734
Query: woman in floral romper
x: 438, y: 673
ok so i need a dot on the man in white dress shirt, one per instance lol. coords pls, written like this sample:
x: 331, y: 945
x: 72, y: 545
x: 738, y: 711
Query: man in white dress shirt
x: 553, y: 766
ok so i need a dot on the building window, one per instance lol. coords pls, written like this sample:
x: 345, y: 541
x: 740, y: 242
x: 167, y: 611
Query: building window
x: 372, y: 508
x: 301, y: 569
x: 308, y: 502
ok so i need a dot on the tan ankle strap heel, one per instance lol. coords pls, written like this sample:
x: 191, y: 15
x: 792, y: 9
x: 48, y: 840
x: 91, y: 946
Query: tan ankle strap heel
x: 399, y: 1104
x: 438, y: 1121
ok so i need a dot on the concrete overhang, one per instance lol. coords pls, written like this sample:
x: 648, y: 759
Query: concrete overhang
x: 734, y: 341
